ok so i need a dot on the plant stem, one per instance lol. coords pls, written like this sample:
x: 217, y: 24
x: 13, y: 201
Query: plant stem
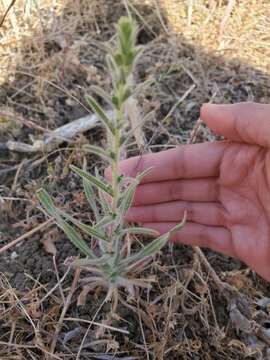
x: 115, y: 177
x: 115, y: 171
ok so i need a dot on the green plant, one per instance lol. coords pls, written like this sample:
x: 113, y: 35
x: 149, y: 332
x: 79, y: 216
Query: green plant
x: 110, y: 263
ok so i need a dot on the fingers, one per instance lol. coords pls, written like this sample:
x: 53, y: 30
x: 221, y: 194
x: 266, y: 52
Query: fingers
x: 187, y: 190
x: 202, y: 213
x: 245, y: 122
x: 183, y: 162
x: 214, y: 238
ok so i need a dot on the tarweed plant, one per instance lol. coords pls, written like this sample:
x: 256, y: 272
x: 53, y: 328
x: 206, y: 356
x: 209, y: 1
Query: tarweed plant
x: 110, y: 264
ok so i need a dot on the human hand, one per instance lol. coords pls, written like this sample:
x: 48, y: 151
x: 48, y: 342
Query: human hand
x: 224, y: 186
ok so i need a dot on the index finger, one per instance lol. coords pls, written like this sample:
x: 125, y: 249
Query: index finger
x: 183, y: 162
x: 243, y: 122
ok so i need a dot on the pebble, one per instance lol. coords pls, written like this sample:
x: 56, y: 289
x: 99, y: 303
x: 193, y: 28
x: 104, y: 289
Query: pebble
x: 13, y: 255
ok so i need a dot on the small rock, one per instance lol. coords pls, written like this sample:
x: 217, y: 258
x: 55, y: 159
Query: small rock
x: 13, y: 255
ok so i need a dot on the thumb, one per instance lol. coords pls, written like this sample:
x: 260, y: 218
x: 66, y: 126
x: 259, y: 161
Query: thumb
x: 242, y: 122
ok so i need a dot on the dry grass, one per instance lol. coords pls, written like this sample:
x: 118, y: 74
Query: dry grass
x: 50, y: 51
x: 244, y: 36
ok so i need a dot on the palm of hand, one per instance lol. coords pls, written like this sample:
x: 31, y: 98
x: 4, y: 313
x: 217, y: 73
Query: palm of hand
x: 225, y: 189
x: 244, y: 193
x: 224, y: 186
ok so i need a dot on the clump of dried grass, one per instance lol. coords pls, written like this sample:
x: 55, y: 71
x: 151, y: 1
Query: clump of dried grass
x: 243, y: 36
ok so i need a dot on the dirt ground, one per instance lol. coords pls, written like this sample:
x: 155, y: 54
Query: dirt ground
x: 50, y: 55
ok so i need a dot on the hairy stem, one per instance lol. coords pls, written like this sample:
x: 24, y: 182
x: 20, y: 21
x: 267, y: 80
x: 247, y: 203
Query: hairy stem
x: 115, y: 179
x: 115, y: 171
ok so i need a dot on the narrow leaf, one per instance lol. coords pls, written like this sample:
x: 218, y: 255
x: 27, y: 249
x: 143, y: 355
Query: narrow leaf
x: 75, y: 238
x: 127, y: 199
x: 90, y: 262
x: 149, y: 249
x: 100, y: 112
x: 71, y: 233
x: 153, y: 247
x: 128, y: 196
x: 113, y: 69
x: 138, y: 231
x: 143, y: 174
x: 102, y: 197
x: 45, y: 199
x: 100, y: 92
x: 104, y: 203
x: 106, y: 220
x: 97, y: 150
x: 90, y: 230
x: 180, y: 225
x: 158, y: 243
x: 90, y: 194
x: 93, y: 180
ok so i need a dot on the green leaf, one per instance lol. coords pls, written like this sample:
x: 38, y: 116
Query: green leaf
x: 104, y: 203
x: 97, y: 150
x: 100, y: 112
x: 126, y: 26
x: 153, y: 247
x: 139, y: 231
x: 46, y: 201
x: 75, y: 238
x: 180, y: 225
x: 150, y: 249
x: 105, y: 221
x: 115, y: 101
x: 140, y: 176
x: 129, y: 58
x: 113, y: 69
x: 90, y: 194
x: 125, y: 93
x: 100, y: 92
x: 126, y: 35
x: 118, y: 58
x: 93, y: 180
x: 127, y: 198
x: 71, y: 233
x: 88, y: 229
x: 158, y: 243
x: 91, y: 197
x: 102, y: 197
x: 92, y: 262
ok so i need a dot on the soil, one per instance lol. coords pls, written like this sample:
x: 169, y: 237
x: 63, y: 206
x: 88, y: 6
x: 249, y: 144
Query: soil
x: 166, y: 323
